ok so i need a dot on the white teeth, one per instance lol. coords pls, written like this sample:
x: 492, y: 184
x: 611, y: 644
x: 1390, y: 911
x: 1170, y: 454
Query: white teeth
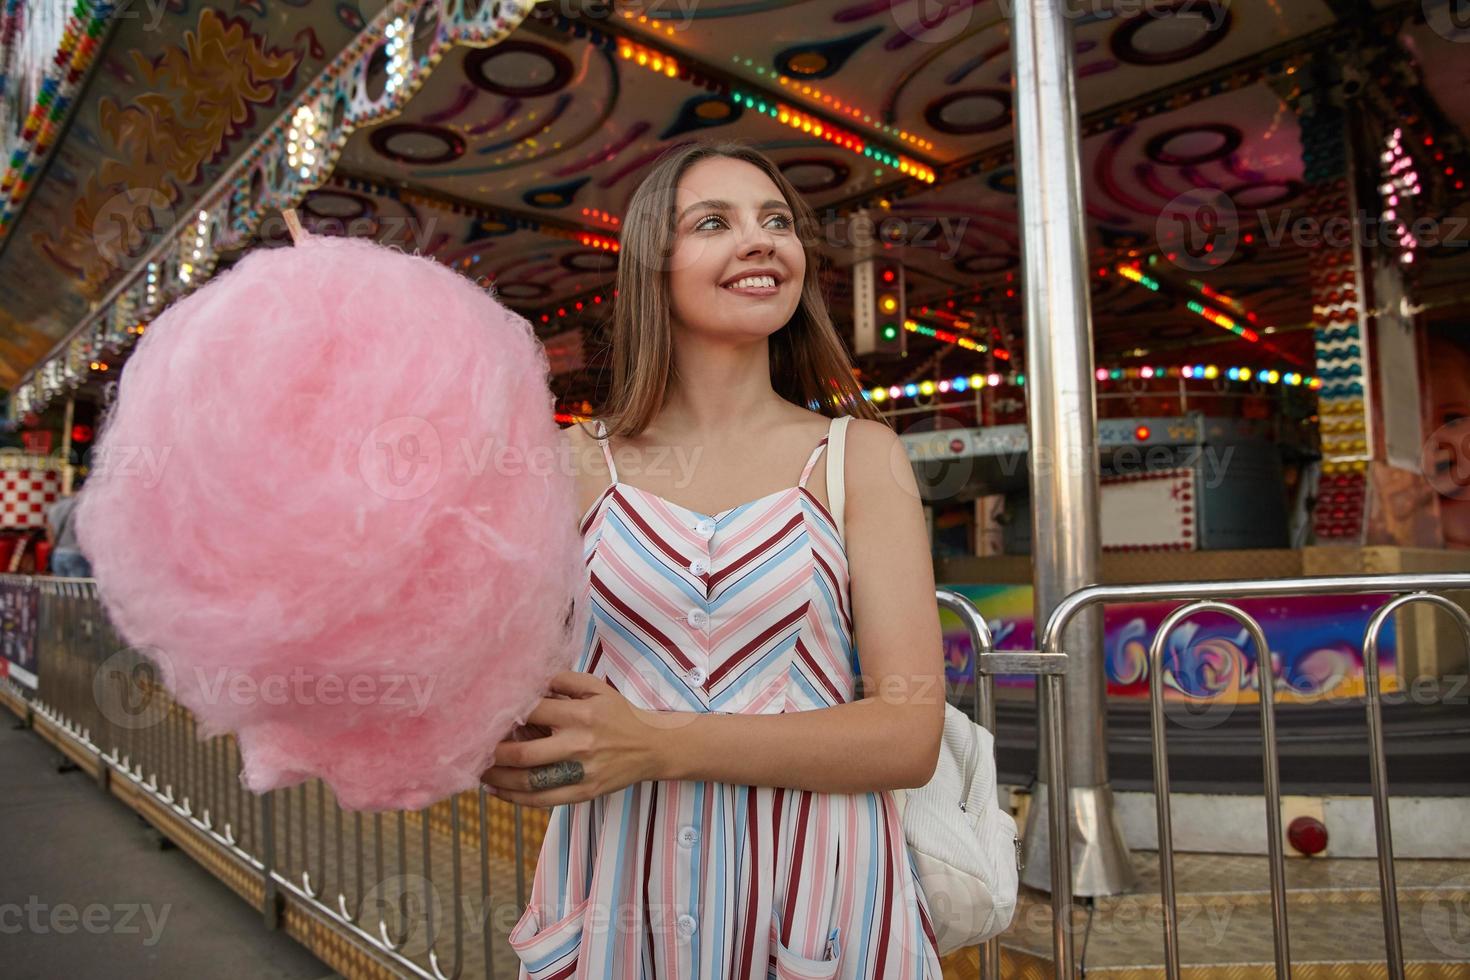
x: 753, y: 282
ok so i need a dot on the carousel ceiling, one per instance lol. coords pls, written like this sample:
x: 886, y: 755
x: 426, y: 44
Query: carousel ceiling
x: 514, y: 162
x: 177, y: 90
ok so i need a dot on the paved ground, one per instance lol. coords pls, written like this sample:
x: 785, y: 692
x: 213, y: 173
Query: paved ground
x: 86, y: 892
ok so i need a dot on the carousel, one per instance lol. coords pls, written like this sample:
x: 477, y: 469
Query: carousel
x: 1274, y: 232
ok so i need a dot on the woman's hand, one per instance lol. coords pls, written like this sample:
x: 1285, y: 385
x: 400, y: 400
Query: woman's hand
x: 599, y: 743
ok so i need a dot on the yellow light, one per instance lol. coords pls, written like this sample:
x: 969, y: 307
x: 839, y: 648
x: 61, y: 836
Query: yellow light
x: 887, y: 304
x: 879, y: 394
x: 784, y: 116
x: 977, y: 381
x: 626, y: 52
x: 926, y: 388
x: 671, y: 69
x: 642, y: 58
x: 1212, y: 372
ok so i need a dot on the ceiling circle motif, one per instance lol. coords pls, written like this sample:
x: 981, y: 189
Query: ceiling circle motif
x: 982, y: 263
x: 1190, y: 146
x: 418, y: 144
x: 811, y: 175
x: 336, y: 205
x: 590, y: 260
x: 520, y: 69
x: 1165, y: 34
x: 522, y: 290
x: 970, y: 111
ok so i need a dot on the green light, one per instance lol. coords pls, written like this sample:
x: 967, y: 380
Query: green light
x: 889, y: 331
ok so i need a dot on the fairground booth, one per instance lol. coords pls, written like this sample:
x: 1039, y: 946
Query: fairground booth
x: 1171, y: 291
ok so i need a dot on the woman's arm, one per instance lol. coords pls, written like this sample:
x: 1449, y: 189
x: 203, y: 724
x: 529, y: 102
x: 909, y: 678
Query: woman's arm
x: 890, y: 738
x: 887, y: 740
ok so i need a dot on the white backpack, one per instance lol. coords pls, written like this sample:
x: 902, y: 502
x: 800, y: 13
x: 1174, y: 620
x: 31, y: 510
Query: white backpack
x: 965, y: 847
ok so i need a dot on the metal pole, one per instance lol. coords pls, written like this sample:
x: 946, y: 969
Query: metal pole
x: 1063, y: 437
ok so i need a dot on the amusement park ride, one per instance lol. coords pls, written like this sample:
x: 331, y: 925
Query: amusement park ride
x: 1272, y: 245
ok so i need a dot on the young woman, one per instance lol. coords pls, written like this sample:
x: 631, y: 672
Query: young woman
x: 720, y: 795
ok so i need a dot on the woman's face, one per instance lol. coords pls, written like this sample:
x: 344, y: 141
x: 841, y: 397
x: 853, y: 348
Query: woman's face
x: 737, y: 265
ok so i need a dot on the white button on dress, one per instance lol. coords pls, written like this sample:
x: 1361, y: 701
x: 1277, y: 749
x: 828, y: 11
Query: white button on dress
x: 697, y: 567
x: 688, y: 836
x: 705, y: 529
x: 697, y: 676
x: 686, y: 925
x: 698, y: 618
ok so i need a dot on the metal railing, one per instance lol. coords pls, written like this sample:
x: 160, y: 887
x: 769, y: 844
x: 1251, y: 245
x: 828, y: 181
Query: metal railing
x: 1207, y: 597
x: 300, y: 847
x: 985, y: 663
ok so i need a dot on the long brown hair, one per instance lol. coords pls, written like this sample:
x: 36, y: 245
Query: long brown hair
x: 809, y: 365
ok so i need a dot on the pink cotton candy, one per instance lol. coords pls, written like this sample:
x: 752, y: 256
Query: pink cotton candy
x: 327, y: 503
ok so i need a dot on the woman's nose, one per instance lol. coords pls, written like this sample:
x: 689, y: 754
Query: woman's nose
x: 756, y: 240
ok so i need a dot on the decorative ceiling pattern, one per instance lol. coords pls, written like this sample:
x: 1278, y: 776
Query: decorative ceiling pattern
x: 514, y: 162
x: 178, y: 92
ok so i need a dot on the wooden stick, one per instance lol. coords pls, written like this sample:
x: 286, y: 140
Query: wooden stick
x: 293, y: 223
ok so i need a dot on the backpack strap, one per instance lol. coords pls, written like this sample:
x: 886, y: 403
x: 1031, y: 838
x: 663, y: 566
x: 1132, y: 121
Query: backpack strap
x: 836, y: 489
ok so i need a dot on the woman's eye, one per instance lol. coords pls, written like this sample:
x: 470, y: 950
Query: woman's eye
x: 785, y: 221
x: 704, y: 223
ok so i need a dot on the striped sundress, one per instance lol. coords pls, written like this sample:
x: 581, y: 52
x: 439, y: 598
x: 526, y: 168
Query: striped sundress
x: 743, y: 611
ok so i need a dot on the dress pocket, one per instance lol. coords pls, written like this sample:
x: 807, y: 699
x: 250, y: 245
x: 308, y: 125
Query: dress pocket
x: 793, y: 966
x: 551, y: 950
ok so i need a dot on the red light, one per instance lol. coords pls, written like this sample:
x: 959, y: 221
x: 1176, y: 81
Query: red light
x: 889, y: 275
x: 81, y: 433
x: 1141, y: 433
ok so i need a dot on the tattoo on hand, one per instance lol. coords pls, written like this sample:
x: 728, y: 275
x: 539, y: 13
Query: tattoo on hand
x: 557, y: 774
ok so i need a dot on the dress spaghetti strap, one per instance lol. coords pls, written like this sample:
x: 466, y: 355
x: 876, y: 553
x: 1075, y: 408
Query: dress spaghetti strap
x: 606, y: 449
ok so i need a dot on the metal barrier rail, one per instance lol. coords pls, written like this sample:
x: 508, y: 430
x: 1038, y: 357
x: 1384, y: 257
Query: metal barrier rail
x: 985, y: 663
x: 1206, y: 596
x: 110, y: 701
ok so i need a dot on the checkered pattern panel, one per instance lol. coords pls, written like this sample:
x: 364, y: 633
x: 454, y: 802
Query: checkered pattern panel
x: 25, y: 495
